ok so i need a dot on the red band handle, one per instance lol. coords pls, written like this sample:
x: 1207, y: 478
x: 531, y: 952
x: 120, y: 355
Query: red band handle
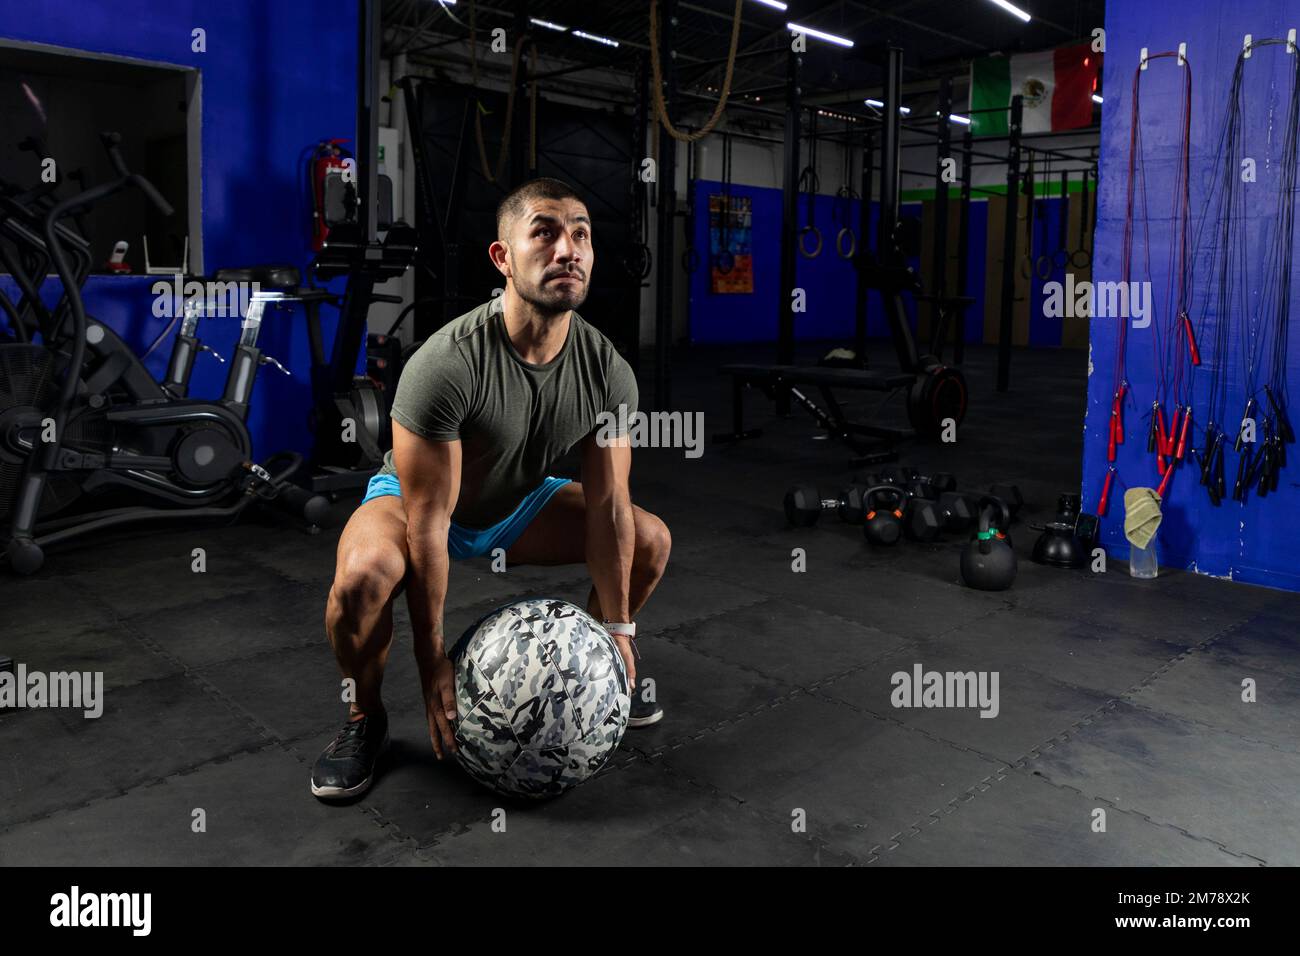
x: 1191, y: 340
x: 1182, y: 435
x: 1164, y: 484
x: 1105, y: 493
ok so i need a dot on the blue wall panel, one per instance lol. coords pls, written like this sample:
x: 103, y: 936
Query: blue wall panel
x: 276, y: 78
x: 1254, y: 542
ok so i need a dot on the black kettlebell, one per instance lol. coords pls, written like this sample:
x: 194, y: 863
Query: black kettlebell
x: 883, y: 522
x: 987, y: 561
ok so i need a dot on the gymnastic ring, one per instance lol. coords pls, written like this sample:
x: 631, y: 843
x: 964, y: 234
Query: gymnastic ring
x: 690, y: 259
x: 1043, y: 267
x: 1081, y: 258
x: 1060, y: 258
x: 724, y: 262
x: 839, y: 243
x: 817, y: 249
x: 638, y: 262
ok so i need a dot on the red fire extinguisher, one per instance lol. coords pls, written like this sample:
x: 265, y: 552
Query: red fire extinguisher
x: 332, y: 196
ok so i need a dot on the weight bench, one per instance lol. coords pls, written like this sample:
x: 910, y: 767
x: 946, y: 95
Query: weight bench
x: 775, y: 380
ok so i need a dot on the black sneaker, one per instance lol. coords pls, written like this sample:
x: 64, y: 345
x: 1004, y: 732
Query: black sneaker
x: 643, y: 713
x: 346, y: 768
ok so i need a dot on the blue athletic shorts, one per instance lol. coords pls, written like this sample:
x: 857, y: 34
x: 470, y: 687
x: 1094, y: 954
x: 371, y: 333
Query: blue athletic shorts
x: 465, y: 542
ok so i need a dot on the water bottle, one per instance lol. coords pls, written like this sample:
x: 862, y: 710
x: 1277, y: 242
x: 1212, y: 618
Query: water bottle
x: 1142, y: 562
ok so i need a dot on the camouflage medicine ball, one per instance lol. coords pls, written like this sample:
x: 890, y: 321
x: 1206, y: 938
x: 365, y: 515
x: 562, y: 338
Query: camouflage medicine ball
x: 541, y: 698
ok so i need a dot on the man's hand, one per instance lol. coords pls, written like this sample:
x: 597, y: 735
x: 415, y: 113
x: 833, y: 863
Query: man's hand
x: 629, y: 660
x: 440, y: 704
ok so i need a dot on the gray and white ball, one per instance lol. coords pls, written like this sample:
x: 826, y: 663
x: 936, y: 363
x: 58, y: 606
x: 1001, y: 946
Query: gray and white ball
x: 541, y: 698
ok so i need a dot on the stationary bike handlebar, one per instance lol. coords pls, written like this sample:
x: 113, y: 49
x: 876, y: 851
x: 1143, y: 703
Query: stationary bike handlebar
x: 67, y: 276
x: 112, y: 144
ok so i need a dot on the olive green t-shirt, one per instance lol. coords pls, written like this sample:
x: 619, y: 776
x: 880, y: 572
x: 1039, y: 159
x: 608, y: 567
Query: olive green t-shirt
x: 514, y: 419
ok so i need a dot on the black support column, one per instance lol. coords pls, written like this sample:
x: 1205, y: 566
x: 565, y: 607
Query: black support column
x: 889, y: 154
x: 963, y: 246
x: 368, y: 120
x: 939, y: 264
x: 521, y: 166
x: 1006, y: 327
x: 789, y: 217
x: 864, y: 244
x: 666, y: 175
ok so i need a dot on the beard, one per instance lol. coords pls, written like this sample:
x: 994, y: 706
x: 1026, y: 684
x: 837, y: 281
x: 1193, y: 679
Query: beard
x: 553, y: 298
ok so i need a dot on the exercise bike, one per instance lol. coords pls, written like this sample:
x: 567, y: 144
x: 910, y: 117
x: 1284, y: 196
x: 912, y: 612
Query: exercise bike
x: 80, y: 416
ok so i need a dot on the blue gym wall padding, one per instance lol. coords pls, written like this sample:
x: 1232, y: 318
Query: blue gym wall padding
x: 277, y: 77
x: 1254, y: 542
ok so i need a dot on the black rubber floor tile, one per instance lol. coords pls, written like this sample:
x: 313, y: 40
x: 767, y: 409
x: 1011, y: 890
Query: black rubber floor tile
x: 683, y: 598
x: 58, y: 759
x: 1204, y: 587
x: 858, y: 779
x: 1266, y: 641
x: 896, y: 603
x: 111, y: 650
x: 292, y: 554
x: 257, y: 809
x: 1072, y: 652
x: 1207, y: 688
x: 1114, y: 601
x: 124, y: 548
x: 1026, y: 710
x: 37, y: 608
x: 223, y: 629
x: 696, y: 691
x: 792, y: 645
x: 297, y: 691
x: 420, y: 797
x: 639, y: 816
x: 167, y: 580
x: 1212, y: 784
x: 1021, y: 820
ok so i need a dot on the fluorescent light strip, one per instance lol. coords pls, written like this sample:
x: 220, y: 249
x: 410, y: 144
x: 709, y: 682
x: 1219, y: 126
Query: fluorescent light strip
x: 774, y: 4
x: 954, y: 118
x: 591, y: 36
x: 1012, y: 9
x: 880, y: 106
x: 1096, y: 99
x: 548, y: 24
x: 828, y: 37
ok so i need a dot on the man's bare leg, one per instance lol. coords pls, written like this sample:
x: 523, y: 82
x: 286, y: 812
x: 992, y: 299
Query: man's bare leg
x: 558, y: 536
x: 369, y: 570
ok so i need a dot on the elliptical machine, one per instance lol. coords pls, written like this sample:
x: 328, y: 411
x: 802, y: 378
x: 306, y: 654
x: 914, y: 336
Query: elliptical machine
x: 81, y: 416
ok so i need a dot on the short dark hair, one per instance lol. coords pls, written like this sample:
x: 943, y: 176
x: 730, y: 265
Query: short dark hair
x: 512, y: 206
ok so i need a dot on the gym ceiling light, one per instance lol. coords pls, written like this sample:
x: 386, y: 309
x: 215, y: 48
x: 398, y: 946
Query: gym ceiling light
x: 1012, y: 9
x: 828, y: 37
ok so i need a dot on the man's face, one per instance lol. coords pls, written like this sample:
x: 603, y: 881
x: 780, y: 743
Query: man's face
x: 549, y: 255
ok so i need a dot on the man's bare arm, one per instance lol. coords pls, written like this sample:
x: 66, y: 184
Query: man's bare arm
x: 429, y: 473
x: 611, y: 525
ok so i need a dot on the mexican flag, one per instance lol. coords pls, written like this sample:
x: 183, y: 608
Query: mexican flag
x: 1057, y: 86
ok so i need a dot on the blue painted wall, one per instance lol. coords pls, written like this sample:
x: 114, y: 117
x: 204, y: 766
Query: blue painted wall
x: 276, y: 78
x: 1254, y: 542
x: 831, y: 282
